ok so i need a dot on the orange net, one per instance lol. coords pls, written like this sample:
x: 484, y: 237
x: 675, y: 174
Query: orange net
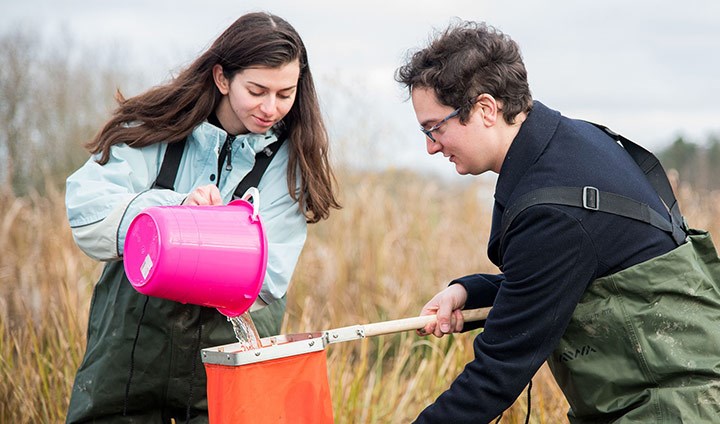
x: 293, y: 389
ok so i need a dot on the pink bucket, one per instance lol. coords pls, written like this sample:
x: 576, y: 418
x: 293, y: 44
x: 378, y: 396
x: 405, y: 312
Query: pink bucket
x: 212, y: 256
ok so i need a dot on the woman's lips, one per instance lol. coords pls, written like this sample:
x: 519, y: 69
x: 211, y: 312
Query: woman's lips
x: 263, y: 122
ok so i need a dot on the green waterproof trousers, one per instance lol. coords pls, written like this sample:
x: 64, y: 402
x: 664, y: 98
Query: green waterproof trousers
x: 643, y: 345
x: 168, y: 377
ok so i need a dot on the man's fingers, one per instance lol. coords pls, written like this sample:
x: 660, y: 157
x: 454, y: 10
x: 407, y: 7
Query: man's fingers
x: 459, y: 321
x: 444, y: 319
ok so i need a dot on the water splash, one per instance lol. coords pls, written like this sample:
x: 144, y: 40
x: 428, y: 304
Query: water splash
x: 245, y: 331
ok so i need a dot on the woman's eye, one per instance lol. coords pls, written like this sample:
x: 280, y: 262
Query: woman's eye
x: 284, y: 96
x: 254, y: 93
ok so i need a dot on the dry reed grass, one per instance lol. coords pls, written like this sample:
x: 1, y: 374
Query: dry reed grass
x: 44, y: 298
x: 398, y: 240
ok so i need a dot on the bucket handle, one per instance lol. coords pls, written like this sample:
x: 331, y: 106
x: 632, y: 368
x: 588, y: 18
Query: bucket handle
x: 253, y: 193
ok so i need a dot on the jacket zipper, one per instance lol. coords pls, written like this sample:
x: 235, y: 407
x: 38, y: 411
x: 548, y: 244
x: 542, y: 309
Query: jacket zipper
x: 225, y: 155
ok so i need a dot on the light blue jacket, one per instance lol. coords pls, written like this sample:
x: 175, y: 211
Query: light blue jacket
x: 102, y: 200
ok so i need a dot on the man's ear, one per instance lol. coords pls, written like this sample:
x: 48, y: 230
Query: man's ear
x: 488, y: 108
x: 221, y: 82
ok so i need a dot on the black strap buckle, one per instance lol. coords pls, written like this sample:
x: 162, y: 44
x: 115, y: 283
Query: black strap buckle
x: 591, y: 198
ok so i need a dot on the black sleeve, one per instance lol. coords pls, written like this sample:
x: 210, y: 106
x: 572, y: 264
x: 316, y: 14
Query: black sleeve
x: 549, y: 260
x: 481, y: 290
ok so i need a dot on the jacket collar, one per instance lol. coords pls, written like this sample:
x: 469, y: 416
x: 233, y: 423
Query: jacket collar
x: 532, y: 139
x: 210, y: 136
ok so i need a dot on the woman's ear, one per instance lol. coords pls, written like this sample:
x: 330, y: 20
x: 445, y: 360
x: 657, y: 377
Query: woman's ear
x: 221, y: 82
x: 489, y: 108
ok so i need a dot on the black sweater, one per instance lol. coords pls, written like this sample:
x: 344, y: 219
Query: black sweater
x: 550, y: 255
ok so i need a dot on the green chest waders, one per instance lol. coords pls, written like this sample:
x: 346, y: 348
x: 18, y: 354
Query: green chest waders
x: 643, y: 345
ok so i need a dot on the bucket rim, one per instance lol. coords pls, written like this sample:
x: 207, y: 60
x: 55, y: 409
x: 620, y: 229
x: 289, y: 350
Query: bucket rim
x: 147, y: 270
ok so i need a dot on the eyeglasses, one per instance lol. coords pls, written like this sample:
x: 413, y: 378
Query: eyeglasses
x: 429, y: 131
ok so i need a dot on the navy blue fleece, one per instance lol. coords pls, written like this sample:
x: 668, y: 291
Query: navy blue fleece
x: 550, y: 255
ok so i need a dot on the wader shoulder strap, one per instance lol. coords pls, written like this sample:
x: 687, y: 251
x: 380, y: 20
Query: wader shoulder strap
x: 653, y: 170
x: 262, y: 160
x: 170, y: 165
x: 593, y: 199
x: 173, y: 155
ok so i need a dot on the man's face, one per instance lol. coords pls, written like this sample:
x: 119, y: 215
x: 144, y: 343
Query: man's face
x: 470, y: 146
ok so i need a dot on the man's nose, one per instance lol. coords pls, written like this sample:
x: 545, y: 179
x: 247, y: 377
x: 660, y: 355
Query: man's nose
x: 432, y: 146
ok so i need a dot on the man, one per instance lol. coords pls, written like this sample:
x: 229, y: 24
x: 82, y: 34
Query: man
x: 600, y: 275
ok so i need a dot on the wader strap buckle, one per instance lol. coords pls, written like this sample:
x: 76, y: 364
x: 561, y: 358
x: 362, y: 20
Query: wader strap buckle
x: 591, y: 198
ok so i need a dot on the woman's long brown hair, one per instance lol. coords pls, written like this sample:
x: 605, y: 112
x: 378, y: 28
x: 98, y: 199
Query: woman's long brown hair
x: 170, y: 112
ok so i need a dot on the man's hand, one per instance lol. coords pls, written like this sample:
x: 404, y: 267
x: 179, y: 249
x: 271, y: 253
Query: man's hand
x: 447, y: 305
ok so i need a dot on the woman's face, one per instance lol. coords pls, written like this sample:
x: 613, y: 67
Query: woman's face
x: 255, y: 99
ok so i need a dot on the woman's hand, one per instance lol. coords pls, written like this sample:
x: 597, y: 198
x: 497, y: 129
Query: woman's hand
x: 447, y: 305
x: 207, y: 195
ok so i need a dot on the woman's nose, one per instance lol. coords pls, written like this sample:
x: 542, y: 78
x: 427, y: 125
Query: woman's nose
x: 268, y: 105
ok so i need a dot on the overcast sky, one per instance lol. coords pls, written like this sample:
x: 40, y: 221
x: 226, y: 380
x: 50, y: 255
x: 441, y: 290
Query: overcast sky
x: 648, y: 69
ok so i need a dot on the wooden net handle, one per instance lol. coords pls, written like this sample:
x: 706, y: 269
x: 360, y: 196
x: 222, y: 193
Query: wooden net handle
x: 415, y: 323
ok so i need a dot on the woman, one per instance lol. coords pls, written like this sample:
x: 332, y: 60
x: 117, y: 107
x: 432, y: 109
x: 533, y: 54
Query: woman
x: 251, y: 89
